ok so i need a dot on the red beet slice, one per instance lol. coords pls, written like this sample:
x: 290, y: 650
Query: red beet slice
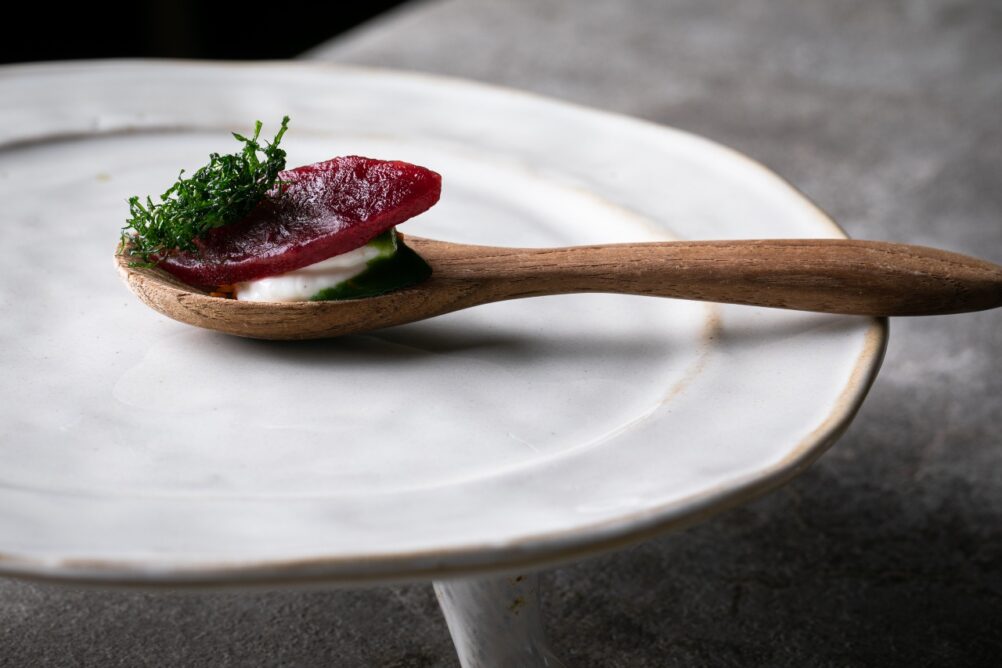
x: 322, y: 210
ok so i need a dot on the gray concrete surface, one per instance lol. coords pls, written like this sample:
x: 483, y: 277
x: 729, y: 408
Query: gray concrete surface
x: 888, y: 552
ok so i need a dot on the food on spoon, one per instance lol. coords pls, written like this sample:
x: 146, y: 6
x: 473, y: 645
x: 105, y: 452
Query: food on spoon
x: 248, y: 227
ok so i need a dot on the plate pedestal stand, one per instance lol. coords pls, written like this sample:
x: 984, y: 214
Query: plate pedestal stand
x: 495, y: 622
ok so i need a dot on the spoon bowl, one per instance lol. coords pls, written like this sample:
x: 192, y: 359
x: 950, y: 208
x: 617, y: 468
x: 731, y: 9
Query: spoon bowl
x: 825, y: 275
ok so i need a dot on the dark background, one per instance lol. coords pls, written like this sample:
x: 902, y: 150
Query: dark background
x: 179, y: 29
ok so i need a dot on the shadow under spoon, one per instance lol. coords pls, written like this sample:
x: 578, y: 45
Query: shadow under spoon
x: 825, y: 275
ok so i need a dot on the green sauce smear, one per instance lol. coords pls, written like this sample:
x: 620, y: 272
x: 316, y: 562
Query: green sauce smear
x: 396, y: 267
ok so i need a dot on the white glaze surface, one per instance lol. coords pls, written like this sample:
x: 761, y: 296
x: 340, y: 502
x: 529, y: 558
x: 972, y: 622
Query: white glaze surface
x: 136, y: 448
x: 496, y: 622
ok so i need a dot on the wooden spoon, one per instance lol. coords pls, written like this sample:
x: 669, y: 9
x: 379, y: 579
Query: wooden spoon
x: 827, y: 275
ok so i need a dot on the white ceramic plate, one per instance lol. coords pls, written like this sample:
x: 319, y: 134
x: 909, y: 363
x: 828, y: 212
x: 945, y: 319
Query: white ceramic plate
x: 137, y: 449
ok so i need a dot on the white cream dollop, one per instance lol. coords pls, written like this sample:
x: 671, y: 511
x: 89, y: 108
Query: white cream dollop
x: 301, y: 284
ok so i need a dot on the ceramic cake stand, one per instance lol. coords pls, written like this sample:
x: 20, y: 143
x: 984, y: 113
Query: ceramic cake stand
x: 470, y: 449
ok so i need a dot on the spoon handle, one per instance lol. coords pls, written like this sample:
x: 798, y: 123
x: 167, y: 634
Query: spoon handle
x: 827, y: 275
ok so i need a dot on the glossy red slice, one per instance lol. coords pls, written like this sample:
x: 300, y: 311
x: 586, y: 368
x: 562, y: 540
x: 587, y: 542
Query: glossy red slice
x: 322, y: 210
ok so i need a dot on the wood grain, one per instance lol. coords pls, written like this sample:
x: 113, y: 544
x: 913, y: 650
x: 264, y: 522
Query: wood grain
x: 826, y: 275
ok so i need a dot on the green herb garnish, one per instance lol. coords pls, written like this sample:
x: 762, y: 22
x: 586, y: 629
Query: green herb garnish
x: 220, y: 193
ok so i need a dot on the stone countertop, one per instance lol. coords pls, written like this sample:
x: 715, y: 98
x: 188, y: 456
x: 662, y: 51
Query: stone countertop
x: 888, y: 551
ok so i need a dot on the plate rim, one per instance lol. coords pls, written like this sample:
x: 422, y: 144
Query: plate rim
x: 530, y: 551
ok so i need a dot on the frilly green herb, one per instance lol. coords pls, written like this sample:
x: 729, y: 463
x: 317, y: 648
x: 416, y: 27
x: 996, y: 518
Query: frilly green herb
x: 219, y: 193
